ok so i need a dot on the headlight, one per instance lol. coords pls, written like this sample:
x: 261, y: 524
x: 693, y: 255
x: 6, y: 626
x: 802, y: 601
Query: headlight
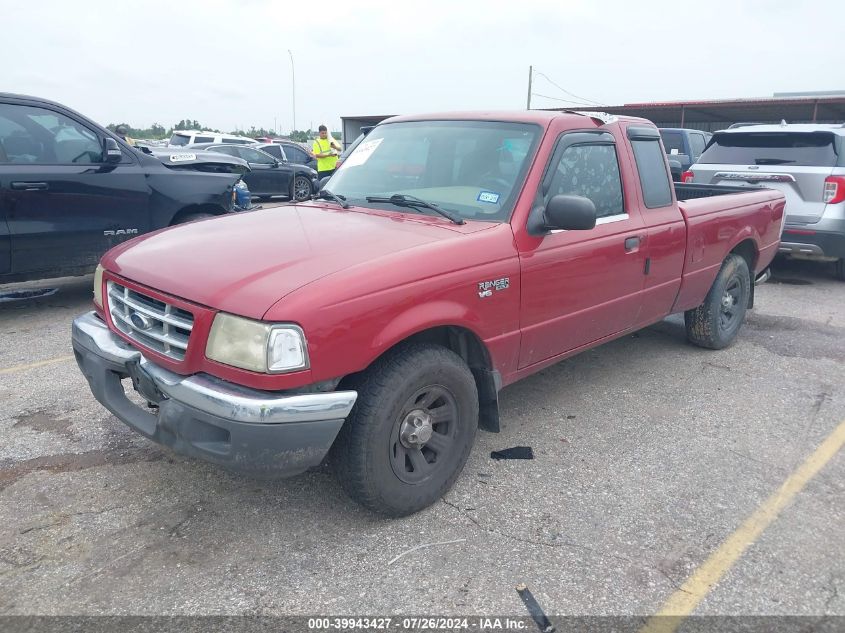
x: 98, y: 285
x: 256, y: 346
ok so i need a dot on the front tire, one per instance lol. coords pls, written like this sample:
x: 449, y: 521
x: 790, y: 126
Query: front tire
x: 716, y: 322
x: 301, y: 189
x: 410, y: 432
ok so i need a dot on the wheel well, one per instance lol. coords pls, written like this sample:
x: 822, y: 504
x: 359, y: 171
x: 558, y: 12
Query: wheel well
x: 472, y: 350
x: 213, y: 209
x: 748, y: 251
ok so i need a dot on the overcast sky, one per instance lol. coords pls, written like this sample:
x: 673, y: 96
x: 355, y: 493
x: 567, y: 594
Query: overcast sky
x: 226, y: 64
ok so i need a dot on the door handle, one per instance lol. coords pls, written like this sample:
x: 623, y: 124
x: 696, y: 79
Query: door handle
x: 29, y: 186
x: 631, y: 244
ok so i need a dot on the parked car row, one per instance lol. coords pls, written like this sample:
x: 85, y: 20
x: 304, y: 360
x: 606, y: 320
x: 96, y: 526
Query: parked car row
x: 268, y: 176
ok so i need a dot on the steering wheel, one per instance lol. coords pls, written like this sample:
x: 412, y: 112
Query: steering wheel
x: 496, y: 183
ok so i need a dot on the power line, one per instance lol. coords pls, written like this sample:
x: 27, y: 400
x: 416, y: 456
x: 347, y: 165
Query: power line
x: 562, y: 89
x: 580, y: 103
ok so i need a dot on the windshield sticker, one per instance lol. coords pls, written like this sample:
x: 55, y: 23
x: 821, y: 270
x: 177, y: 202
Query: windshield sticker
x: 490, y: 197
x: 362, y: 153
x: 176, y: 158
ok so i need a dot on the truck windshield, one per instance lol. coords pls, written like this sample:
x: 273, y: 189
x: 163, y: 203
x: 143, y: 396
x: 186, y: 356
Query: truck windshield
x: 472, y: 168
x: 771, y: 148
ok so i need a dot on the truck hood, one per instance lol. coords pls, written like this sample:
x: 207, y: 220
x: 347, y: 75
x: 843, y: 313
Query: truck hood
x: 244, y: 263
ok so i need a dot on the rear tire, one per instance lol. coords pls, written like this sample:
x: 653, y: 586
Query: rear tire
x: 716, y: 322
x: 839, y: 269
x: 410, y: 431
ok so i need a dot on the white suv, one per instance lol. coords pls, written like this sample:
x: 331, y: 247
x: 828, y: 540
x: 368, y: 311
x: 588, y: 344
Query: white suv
x: 189, y: 137
x: 804, y: 161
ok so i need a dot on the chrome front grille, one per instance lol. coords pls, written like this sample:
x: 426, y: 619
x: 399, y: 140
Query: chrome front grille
x: 152, y: 323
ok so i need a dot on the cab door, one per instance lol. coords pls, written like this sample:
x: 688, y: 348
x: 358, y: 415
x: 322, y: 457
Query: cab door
x: 5, y: 240
x: 64, y: 205
x: 581, y: 286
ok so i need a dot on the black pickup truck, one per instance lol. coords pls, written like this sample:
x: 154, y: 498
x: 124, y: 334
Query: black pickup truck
x: 70, y: 189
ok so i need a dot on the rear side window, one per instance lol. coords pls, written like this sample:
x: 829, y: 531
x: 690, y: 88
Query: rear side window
x: 772, y: 148
x: 234, y: 141
x: 591, y: 171
x: 654, y: 179
x: 204, y: 139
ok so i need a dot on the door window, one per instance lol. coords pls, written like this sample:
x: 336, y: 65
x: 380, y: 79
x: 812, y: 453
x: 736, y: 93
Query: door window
x: 296, y: 155
x: 38, y: 136
x: 254, y: 156
x: 274, y: 150
x: 591, y: 171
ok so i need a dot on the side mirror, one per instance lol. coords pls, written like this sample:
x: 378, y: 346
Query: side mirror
x: 324, y: 181
x: 111, y: 151
x: 570, y: 213
x: 676, y: 169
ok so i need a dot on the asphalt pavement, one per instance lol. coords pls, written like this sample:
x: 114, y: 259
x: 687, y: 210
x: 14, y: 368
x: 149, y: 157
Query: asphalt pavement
x: 648, y: 454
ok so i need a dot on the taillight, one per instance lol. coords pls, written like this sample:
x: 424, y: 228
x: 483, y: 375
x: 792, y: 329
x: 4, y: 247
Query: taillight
x: 687, y: 176
x: 834, y: 189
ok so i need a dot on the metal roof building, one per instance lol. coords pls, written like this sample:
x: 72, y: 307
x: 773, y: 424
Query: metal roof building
x: 709, y: 115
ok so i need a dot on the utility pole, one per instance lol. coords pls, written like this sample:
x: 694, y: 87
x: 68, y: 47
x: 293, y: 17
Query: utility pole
x: 293, y: 88
x: 530, y: 75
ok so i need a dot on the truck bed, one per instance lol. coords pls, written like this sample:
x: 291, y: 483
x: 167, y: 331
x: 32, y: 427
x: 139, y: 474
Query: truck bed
x: 718, y: 218
x: 690, y: 191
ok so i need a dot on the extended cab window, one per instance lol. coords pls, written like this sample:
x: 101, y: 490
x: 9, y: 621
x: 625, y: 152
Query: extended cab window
x: 654, y: 179
x: 38, y: 136
x: 591, y: 171
x: 772, y: 148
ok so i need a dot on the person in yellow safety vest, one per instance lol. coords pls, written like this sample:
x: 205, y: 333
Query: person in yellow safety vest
x: 326, y: 149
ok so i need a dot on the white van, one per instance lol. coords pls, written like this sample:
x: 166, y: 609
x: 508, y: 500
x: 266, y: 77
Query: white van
x: 188, y: 137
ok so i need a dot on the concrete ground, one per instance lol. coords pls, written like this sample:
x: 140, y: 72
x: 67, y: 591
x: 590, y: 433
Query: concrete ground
x: 648, y: 453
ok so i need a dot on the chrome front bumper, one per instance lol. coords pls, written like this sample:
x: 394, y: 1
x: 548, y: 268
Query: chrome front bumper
x: 206, y: 417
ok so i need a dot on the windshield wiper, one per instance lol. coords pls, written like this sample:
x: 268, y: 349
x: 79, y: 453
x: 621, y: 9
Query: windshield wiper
x: 325, y: 194
x: 404, y: 200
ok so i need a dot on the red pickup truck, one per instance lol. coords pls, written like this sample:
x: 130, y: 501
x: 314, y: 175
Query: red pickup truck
x: 450, y: 256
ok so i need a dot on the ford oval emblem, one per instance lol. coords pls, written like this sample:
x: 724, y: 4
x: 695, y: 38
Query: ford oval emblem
x: 140, y: 321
